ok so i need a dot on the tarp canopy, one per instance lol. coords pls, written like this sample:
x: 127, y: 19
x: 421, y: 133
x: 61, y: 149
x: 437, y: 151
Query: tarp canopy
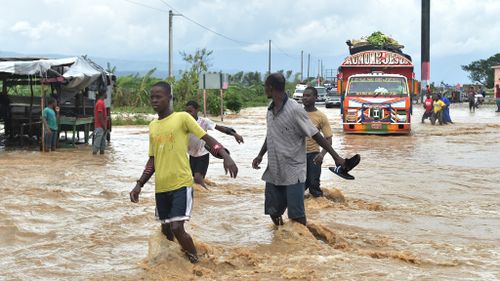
x: 79, y: 72
x: 33, y: 67
x: 82, y: 73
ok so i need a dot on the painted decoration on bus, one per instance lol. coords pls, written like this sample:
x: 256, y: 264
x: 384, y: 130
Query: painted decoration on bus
x: 376, y: 58
x: 377, y: 86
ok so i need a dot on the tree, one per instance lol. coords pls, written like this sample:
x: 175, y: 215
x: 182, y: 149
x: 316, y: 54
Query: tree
x: 251, y: 78
x: 133, y: 90
x: 236, y: 78
x: 199, y: 61
x: 296, y: 77
x: 110, y: 69
x: 233, y: 101
x: 480, y: 71
x: 186, y: 88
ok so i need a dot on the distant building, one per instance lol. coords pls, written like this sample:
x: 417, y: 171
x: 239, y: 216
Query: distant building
x: 496, y: 75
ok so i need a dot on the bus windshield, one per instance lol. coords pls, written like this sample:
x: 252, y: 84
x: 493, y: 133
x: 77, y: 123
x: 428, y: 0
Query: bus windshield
x: 374, y: 86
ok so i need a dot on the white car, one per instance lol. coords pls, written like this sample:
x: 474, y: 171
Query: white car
x: 321, y: 94
x: 332, y: 98
x: 299, y: 92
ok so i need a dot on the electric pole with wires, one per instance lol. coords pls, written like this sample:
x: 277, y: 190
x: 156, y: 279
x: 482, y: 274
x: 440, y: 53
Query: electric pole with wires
x: 170, y: 41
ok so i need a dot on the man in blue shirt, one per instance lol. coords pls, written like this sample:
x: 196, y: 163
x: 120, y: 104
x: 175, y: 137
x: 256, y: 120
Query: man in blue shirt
x: 446, y: 110
x: 49, y: 121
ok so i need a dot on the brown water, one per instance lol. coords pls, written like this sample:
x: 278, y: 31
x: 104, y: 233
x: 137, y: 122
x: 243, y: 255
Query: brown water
x: 424, y: 206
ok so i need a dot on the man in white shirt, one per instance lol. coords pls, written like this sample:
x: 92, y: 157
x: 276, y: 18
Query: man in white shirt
x: 198, y: 155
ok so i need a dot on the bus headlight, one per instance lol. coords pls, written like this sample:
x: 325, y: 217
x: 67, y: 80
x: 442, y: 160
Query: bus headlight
x: 401, y: 115
x: 351, y: 115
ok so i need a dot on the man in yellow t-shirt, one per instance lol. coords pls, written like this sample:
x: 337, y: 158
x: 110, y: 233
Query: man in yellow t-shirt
x: 168, y: 146
x: 314, y: 156
x: 437, y: 114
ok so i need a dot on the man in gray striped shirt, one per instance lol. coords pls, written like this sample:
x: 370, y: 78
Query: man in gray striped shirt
x: 287, y: 127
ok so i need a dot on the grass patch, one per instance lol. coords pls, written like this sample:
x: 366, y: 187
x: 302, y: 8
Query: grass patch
x: 254, y: 103
x: 133, y: 120
x: 133, y: 109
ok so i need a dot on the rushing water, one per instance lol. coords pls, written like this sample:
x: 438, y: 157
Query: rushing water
x: 424, y: 206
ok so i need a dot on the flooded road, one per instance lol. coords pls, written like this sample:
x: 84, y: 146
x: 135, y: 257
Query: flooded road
x: 424, y: 206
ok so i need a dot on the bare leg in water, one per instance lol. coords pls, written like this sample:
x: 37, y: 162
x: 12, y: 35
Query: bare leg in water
x: 199, y: 179
x: 176, y: 229
x: 166, y: 229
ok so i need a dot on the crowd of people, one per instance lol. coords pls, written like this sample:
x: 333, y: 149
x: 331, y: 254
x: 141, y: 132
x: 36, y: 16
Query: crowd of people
x: 290, y: 167
x: 437, y: 109
x: 437, y: 106
x: 50, y: 116
x: 297, y: 139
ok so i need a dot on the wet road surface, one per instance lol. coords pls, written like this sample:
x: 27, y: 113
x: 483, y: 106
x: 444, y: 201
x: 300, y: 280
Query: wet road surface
x: 424, y: 206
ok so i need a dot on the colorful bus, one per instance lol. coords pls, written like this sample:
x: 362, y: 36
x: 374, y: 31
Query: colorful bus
x: 377, y: 88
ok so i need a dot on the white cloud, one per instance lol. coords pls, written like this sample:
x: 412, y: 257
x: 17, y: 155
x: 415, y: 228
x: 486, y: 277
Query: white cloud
x: 458, y: 27
x: 119, y: 28
x: 256, y: 47
x: 40, y: 30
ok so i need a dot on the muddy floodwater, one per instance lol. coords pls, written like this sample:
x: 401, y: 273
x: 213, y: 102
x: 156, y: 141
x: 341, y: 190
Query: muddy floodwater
x: 423, y: 207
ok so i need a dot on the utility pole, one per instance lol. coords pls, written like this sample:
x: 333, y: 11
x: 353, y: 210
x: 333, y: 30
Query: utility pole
x: 170, y: 41
x: 318, y: 81
x: 321, y: 68
x: 308, y: 64
x: 269, y: 66
x: 425, y: 47
x: 301, y: 65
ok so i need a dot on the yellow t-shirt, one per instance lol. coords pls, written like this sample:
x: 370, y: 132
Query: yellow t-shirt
x: 320, y: 121
x: 438, y: 105
x: 168, y: 143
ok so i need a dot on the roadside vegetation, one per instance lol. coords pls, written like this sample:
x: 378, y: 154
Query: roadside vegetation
x: 480, y: 71
x: 246, y: 89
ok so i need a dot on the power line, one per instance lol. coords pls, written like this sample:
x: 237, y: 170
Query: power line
x: 286, y: 54
x: 146, y: 6
x: 222, y: 35
x: 243, y: 43
x: 170, y: 6
x: 240, y: 42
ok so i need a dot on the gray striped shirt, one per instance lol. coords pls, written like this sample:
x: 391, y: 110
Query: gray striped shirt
x: 286, y: 149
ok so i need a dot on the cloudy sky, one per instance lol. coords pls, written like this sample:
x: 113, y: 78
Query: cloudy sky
x: 461, y: 30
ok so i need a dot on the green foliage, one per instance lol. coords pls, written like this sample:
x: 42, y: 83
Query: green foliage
x: 213, y: 102
x: 135, y: 120
x: 379, y: 39
x: 246, y: 88
x: 109, y: 68
x: 24, y: 90
x: 133, y: 90
x: 296, y: 78
x: 199, y: 61
x: 134, y: 109
x: 249, y: 96
x: 236, y: 78
x: 480, y: 71
x: 232, y: 100
x: 252, y: 78
x: 185, y: 89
